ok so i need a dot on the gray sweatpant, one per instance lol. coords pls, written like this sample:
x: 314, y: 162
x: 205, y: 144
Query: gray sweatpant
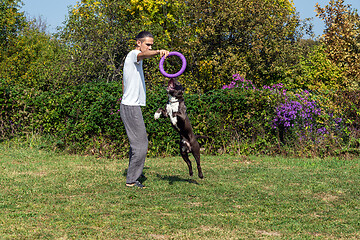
x: 136, y: 132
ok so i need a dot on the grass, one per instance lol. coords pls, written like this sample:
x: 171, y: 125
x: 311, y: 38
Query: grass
x: 45, y: 195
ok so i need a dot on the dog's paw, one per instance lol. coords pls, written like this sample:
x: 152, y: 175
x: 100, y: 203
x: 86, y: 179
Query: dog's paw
x: 157, y: 115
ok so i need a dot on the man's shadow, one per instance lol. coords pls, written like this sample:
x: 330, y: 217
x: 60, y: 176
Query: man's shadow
x: 170, y: 179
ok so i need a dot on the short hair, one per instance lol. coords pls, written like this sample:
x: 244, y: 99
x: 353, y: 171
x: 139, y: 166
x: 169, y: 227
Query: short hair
x: 143, y: 34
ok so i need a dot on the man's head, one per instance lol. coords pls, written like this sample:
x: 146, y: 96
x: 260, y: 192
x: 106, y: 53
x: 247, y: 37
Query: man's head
x: 144, y: 41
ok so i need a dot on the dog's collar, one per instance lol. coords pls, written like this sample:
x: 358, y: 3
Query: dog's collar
x: 175, y: 100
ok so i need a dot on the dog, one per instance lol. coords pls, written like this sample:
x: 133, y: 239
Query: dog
x: 176, y: 111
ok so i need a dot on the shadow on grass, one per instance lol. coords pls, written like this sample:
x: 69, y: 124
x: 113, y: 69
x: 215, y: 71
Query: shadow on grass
x: 172, y: 179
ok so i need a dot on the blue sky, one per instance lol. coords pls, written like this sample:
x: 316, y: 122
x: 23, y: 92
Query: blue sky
x: 54, y: 12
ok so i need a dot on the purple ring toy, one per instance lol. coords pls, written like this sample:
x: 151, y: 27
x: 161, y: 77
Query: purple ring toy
x: 161, y: 65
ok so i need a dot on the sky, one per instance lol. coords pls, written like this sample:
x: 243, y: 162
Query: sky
x: 54, y: 12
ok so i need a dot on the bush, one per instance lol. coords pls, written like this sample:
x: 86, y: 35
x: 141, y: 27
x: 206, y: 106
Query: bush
x: 307, y: 124
x: 241, y: 120
x: 13, y: 114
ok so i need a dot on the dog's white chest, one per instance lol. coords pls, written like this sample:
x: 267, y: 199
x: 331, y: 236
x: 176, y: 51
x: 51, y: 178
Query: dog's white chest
x: 172, y: 107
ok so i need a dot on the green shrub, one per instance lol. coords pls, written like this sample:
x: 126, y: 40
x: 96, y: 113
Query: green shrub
x: 13, y: 112
x: 243, y: 120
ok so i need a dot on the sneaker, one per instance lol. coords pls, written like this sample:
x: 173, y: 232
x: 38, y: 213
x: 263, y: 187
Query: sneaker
x: 135, y: 184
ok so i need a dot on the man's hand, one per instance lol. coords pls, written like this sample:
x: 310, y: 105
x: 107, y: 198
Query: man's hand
x: 163, y: 53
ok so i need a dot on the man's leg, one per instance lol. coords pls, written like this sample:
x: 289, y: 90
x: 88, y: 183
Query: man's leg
x: 136, y: 132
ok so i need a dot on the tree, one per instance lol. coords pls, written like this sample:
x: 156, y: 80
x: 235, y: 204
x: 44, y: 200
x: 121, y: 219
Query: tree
x: 342, y: 39
x: 317, y: 72
x: 31, y: 60
x: 38, y: 23
x: 11, y: 21
x: 254, y: 38
x: 100, y: 33
x: 27, y: 53
x: 219, y: 38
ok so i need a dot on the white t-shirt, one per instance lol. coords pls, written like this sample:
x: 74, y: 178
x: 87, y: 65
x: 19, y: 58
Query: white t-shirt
x: 134, y: 81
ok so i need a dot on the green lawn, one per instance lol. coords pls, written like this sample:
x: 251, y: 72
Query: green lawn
x: 45, y: 195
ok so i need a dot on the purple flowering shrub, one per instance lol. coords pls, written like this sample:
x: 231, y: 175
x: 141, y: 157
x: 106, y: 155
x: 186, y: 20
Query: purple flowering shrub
x: 299, y: 112
x: 308, y: 121
x: 295, y: 117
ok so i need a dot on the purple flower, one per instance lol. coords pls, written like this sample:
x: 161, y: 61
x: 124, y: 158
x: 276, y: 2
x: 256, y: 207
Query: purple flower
x: 322, y: 131
x: 338, y: 120
x: 246, y: 84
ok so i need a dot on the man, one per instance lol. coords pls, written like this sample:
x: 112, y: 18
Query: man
x: 134, y: 96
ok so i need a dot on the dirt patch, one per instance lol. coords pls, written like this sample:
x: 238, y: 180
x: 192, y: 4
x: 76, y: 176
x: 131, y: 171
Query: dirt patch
x: 262, y: 232
x: 158, y: 236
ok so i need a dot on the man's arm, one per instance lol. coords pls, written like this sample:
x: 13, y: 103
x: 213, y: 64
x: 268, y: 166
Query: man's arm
x: 151, y: 53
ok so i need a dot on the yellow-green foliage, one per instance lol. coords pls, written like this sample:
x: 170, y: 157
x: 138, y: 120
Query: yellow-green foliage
x: 342, y: 38
x: 11, y: 21
x: 156, y: 12
x: 29, y: 60
x: 317, y: 72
